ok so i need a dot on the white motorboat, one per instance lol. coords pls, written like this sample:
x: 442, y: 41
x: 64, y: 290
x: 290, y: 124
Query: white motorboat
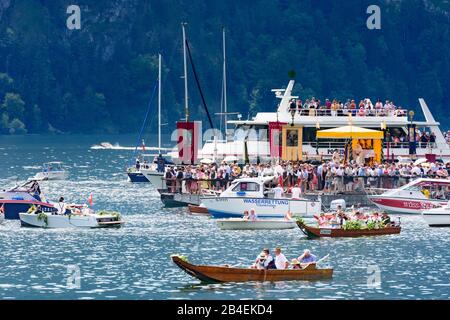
x: 438, y: 217
x: 415, y: 197
x: 52, y: 171
x: 254, y: 193
x: 262, y: 224
x: 84, y: 218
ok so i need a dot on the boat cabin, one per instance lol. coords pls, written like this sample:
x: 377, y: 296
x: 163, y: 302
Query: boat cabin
x: 249, y: 187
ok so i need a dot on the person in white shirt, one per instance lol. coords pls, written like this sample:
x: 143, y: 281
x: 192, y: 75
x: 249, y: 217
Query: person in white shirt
x: 278, y: 192
x: 296, y: 191
x: 280, y: 260
x: 61, y: 206
x: 252, y: 216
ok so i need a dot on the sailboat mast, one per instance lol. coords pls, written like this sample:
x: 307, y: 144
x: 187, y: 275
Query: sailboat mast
x: 225, y: 83
x: 159, y: 103
x: 186, y: 97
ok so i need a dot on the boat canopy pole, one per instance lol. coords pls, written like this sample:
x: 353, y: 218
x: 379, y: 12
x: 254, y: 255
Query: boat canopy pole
x: 198, y: 85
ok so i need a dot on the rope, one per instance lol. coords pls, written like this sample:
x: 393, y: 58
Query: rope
x: 198, y: 85
x: 145, y: 120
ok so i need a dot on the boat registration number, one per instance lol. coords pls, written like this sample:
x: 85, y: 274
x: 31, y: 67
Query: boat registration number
x: 325, y: 231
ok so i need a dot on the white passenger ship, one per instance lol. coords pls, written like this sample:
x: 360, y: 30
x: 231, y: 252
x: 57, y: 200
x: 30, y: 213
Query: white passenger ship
x: 256, y: 132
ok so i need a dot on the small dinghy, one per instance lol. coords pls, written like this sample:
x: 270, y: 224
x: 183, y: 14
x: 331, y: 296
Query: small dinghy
x: 261, y: 224
x: 231, y: 274
x: 85, y: 218
x: 313, y: 232
x: 437, y: 217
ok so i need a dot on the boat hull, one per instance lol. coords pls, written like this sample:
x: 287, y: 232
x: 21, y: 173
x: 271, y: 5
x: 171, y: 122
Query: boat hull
x: 266, y: 224
x: 312, y: 232
x: 234, y: 207
x: 403, y: 205
x: 66, y: 221
x: 155, y: 178
x: 12, y: 208
x: 439, y: 217
x: 228, y: 274
x: 137, y: 177
x: 198, y: 210
x: 54, y: 175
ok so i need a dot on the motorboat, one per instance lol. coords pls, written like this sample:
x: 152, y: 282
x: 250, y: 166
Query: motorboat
x: 438, y: 217
x: 51, y: 171
x: 260, y: 224
x: 21, y: 198
x: 255, y: 193
x: 79, y: 217
x: 415, y: 197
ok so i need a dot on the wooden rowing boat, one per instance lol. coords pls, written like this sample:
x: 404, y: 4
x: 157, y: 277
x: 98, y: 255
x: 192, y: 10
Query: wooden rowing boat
x: 198, y: 210
x: 313, y: 232
x: 230, y: 274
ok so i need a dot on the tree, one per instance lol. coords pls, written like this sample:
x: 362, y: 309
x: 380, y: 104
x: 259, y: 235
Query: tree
x: 17, y: 127
x: 6, y: 84
x: 14, y: 105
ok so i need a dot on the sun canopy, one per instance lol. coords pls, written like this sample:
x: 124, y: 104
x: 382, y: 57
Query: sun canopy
x: 350, y: 132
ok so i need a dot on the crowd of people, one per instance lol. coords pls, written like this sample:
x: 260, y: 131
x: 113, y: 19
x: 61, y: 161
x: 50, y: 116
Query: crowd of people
x: 265, y: 260
x: 365, y: 107
x: 339, y: 218
x: 328, y: 177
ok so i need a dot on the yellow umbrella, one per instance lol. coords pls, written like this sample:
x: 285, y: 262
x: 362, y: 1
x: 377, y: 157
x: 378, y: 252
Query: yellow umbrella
x: 350, y: 132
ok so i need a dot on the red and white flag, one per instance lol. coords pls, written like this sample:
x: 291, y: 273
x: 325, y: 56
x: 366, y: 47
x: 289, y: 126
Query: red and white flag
x: 91, y: 200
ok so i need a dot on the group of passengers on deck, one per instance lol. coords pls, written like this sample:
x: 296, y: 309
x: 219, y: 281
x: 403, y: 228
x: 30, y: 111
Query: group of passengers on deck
x: 314, y: 107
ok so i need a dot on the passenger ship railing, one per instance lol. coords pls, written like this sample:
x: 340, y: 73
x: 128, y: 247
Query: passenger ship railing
x: 325, y: 112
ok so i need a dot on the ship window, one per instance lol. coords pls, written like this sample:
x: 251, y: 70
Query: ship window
x: 247, y: 186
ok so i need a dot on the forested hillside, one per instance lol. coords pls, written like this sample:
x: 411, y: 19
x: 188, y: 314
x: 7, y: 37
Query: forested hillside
x: 99, y: 79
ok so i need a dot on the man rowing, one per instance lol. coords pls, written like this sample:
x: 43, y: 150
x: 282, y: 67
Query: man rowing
x: 307, y: 258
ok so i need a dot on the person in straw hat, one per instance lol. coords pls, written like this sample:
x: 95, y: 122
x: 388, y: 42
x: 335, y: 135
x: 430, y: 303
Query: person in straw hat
x: 295, y: 264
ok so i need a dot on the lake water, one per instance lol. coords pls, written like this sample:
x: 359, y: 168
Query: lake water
x: 134, y: 262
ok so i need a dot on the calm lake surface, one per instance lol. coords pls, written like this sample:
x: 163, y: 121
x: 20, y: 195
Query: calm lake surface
x: 134, y: 262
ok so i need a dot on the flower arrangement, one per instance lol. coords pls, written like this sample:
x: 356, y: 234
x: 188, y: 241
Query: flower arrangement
x: 43, y: 217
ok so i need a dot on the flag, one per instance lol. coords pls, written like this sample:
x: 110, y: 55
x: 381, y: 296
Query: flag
x: 143, y: 144
x: 91, y: 200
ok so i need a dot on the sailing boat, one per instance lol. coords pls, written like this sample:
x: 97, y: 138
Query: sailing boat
x: 146, y: 168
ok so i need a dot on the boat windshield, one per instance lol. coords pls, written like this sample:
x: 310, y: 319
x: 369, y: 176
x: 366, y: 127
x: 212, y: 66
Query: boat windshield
x: 246, y: 186
x: 53, y: 166
x: 432, y: 190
